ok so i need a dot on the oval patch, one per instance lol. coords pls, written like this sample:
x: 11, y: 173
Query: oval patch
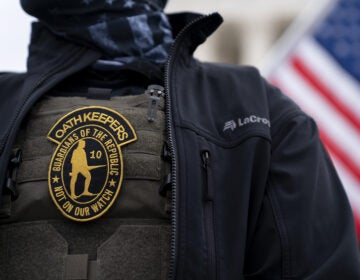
x: 86, y: 169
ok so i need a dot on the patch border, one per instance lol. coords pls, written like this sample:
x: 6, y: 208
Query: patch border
x: 118, y: 147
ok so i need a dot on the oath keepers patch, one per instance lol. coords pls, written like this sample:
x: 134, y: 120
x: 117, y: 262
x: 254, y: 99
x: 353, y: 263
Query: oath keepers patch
x: 86, y: 169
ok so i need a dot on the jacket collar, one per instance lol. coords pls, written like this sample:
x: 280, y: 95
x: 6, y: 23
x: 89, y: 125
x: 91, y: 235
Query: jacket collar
x: 191, y: 30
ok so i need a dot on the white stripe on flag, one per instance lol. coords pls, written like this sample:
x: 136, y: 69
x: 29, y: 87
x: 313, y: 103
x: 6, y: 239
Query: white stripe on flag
x: 328, y: 71
x: 351, y: 185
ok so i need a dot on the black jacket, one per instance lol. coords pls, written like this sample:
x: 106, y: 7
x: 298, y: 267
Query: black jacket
x: 254, y: 192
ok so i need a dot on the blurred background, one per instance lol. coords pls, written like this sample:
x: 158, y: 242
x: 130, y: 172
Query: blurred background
x: 310, y: 49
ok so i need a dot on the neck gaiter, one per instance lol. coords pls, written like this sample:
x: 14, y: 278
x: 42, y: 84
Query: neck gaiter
x: 123, y: 30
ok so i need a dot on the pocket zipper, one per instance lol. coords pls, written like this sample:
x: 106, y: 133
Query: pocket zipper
x: 209, y: 214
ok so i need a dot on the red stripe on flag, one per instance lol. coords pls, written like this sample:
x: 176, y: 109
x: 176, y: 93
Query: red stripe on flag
x: 322, y: 89
x: 340, y: 155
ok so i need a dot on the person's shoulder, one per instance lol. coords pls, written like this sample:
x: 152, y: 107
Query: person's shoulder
x: 11, y: 74
x: 6, y: 77
x: 281, y: 106
x: 249, y: 79
x: 239, y: 70
x: 10, y: 81
x: 10, y: 85
x: 240, y: 79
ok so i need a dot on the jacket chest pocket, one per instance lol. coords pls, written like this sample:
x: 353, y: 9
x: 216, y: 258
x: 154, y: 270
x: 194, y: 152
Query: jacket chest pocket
x: 233, y: 180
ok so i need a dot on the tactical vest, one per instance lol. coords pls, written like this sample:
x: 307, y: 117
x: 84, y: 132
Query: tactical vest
x: 130, y: 241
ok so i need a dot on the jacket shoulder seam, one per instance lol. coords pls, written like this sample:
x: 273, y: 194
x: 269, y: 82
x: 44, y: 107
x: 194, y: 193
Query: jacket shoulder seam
x: 281, y: 124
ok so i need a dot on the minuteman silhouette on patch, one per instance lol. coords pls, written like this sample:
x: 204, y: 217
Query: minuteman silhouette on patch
x: 80, y: 166
x: 86, y: 169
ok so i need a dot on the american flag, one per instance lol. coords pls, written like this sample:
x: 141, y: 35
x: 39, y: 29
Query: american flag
x: 321, y: 72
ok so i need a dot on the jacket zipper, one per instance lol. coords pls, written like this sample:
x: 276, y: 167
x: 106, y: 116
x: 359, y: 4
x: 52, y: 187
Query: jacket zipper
x: 209, y: 214
x: 172, y: 147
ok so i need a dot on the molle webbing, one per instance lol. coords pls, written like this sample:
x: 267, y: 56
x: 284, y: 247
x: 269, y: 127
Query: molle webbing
x: 143, y: 167
x: 149, y: 143
x: 125, y: 250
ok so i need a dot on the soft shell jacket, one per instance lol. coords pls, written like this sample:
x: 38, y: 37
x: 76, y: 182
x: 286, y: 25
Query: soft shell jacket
x: 255, y: 195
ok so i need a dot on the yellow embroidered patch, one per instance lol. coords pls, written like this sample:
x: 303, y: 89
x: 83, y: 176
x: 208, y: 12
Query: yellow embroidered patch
x: 86, y: 169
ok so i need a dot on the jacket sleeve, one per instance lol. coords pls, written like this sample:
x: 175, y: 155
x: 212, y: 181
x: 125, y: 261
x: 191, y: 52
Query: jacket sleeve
x: 306, y: 228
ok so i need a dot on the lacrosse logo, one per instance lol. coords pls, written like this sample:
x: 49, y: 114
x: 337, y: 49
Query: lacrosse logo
x: 230, y: 125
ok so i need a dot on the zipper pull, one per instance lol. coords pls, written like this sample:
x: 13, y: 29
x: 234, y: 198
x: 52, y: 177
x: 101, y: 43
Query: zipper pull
x: 205, y: 157
x: 155, y: 92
